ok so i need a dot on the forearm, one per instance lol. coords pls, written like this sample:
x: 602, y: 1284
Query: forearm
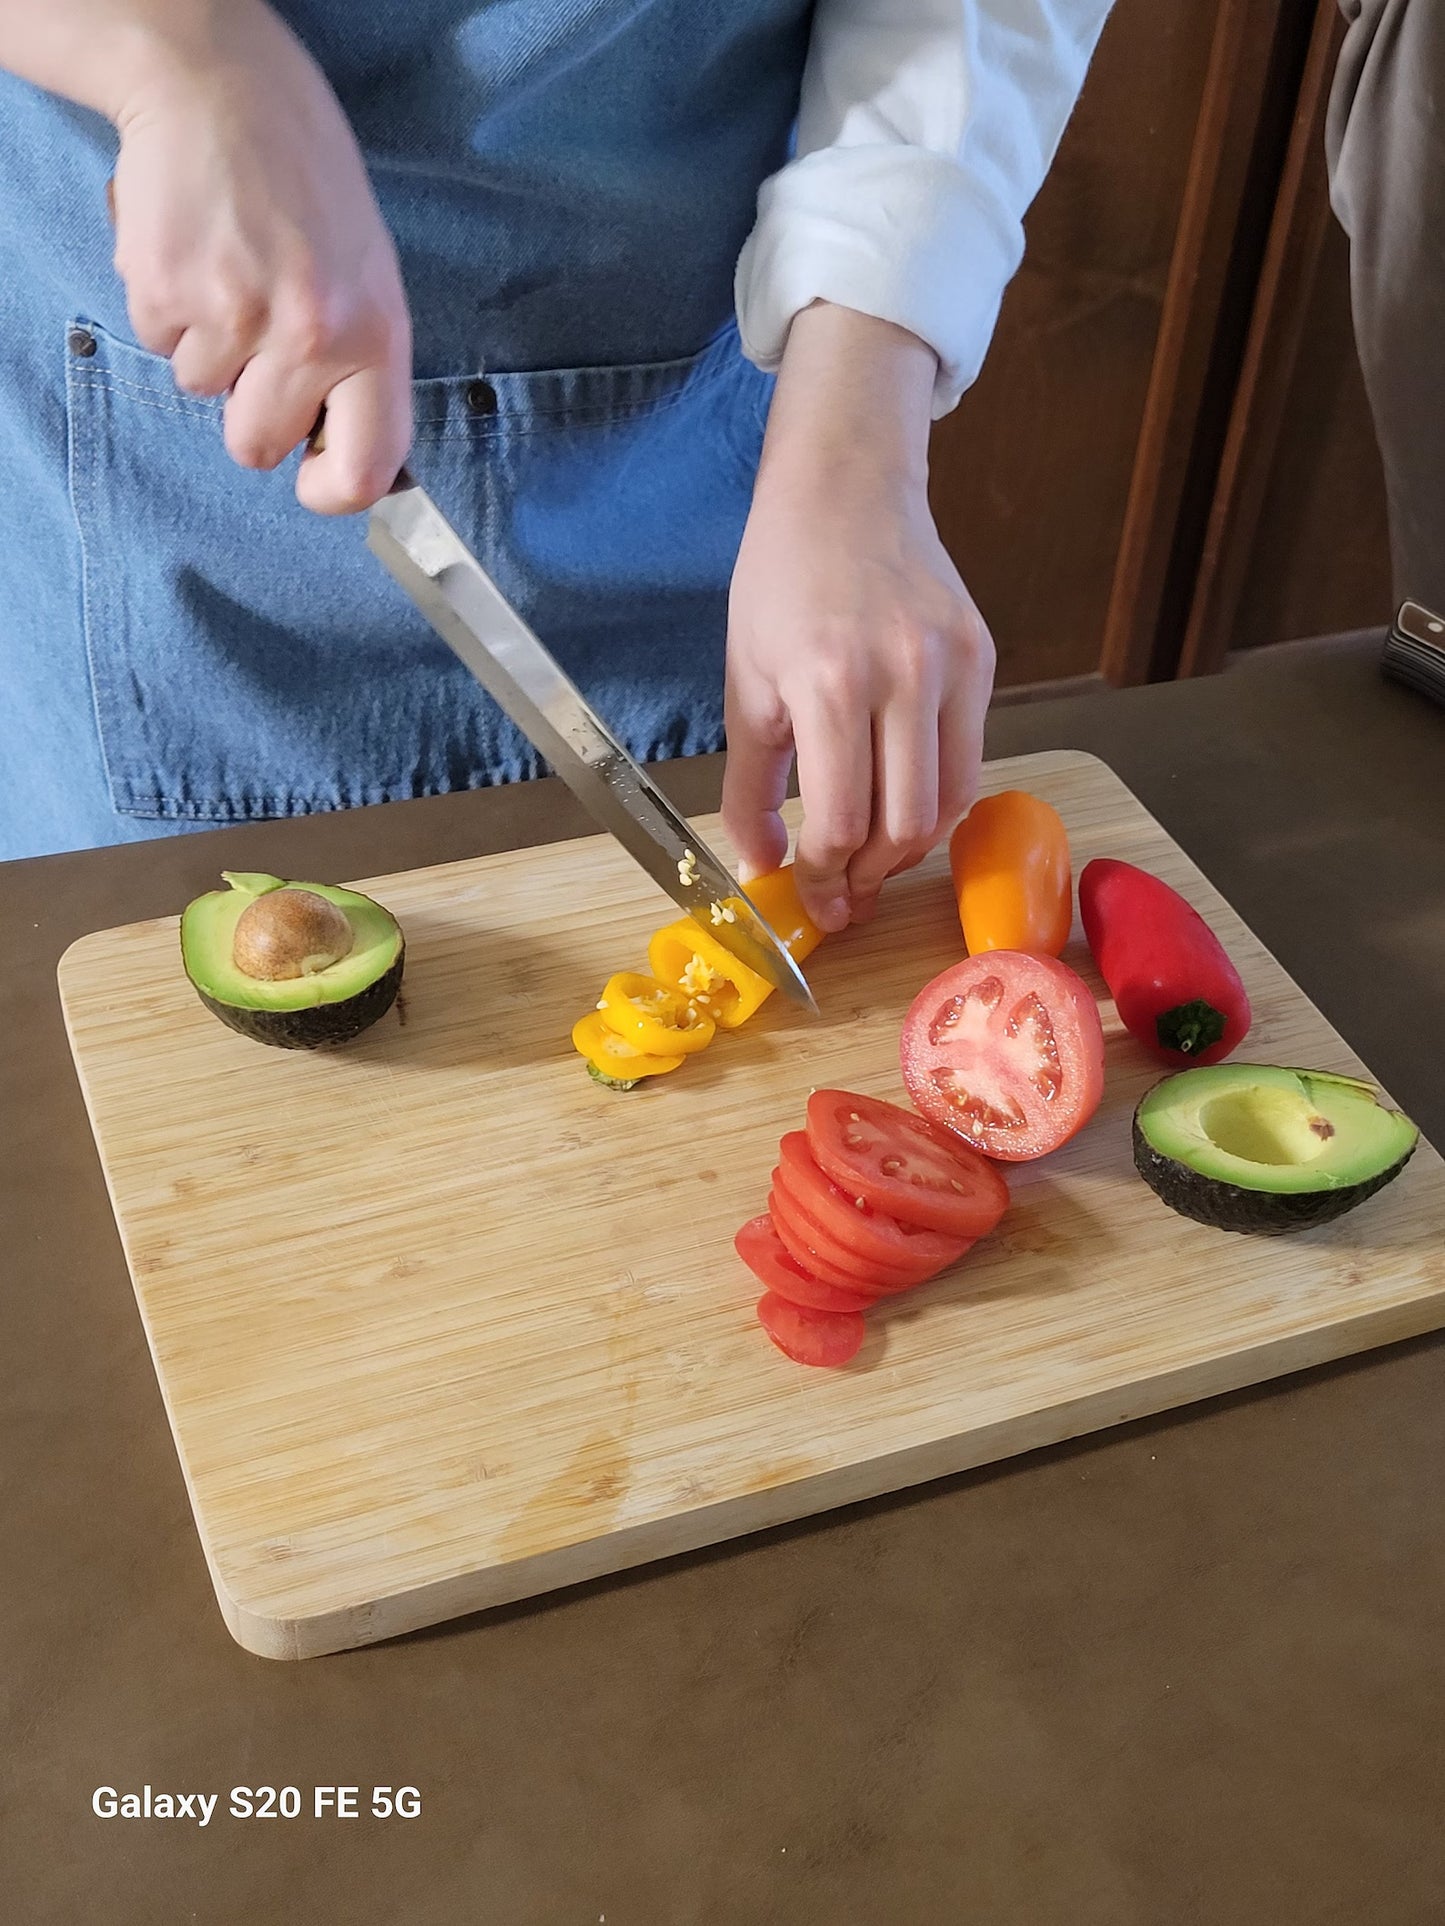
x: 853, y: 394
x: 104, y: 54
x: 851, y: 640
x: 925, y: 128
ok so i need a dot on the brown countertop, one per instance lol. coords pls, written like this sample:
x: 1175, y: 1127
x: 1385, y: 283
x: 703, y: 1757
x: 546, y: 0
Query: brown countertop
x: 1187, y: 1671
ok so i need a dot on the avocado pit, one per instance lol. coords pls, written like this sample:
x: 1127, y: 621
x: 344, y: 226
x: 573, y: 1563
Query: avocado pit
x: 288, y: 933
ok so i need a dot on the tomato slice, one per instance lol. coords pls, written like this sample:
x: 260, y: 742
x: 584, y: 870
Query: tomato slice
x: 761, y: 1247
x: 874, y: 1238
x: 818, y: 1249
x: 810, y: 1337
x: 900, y: 1164
x: 821, y: 1254
x: 1008, y: 1051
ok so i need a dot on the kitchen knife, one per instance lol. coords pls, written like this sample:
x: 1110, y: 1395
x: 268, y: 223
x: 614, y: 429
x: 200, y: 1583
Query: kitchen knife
x: 418, y: 546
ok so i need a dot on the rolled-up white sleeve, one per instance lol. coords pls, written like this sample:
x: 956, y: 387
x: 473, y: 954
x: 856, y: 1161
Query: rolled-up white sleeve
x: 924, y: 131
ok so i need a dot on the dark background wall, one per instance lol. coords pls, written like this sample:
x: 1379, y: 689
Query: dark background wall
x: 1077, y: 484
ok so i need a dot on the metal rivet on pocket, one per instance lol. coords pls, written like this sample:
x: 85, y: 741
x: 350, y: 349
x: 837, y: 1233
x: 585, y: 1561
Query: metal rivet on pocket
x: 81, y: 341
x: 481, y: 398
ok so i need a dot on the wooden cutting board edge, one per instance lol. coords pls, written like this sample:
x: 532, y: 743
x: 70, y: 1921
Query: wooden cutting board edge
x: 811, y: 1500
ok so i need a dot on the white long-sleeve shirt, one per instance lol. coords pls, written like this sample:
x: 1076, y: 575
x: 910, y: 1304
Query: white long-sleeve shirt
x: 925, y: 129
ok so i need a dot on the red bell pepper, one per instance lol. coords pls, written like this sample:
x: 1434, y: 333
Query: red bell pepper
x: 1175, y: 989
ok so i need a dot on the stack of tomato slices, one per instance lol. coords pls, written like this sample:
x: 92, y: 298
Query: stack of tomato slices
x: 866, y: 1202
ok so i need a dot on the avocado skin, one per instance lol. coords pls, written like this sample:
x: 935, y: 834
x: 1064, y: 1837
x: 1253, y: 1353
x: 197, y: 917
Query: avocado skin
x: 320, y: 1027
x: 1230, y: 1207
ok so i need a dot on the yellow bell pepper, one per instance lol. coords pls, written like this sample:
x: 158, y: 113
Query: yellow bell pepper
x: 686, y: 957
x: 775, y: 898
x: 612, y: 1057
x: 653, y: 1018
x: 697, y: 966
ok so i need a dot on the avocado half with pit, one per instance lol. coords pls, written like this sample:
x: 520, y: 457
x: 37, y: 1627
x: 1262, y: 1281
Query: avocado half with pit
x: 1257, y: 1147
x: 300, y: 965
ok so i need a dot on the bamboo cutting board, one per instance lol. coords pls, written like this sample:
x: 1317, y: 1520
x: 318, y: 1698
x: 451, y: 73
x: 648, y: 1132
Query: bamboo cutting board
x: 440, y: 1324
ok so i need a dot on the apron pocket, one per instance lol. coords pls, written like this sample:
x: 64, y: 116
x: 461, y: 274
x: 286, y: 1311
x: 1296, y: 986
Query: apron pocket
x: 249, y: 659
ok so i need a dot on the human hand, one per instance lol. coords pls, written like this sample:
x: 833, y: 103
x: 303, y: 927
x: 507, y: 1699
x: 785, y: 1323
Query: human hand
x: 255, y: 257
x: 852, y: 640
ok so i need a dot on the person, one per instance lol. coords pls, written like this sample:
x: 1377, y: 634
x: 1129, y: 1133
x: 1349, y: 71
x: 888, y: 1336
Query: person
x: 1385, y: 147
x: 658, y: 298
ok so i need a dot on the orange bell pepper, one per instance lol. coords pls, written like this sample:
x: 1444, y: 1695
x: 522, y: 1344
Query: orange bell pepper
x: 613, y: 1058
x: 1011, y: 876
x: 653, y: 1018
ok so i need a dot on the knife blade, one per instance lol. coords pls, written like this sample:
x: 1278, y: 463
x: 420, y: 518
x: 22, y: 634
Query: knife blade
x: 420, y: 549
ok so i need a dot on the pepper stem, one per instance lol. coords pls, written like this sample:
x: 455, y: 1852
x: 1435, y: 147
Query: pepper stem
x: 611, y: 1083
x: 1189, y: 1027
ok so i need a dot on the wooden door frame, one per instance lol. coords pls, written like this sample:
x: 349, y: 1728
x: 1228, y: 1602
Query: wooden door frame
x: 1242, y: 140
x: 1276, y: 331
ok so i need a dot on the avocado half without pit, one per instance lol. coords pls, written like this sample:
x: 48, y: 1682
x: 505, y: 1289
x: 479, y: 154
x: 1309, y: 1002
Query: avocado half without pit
x: 1256, y: 1147
x: 300, y: 965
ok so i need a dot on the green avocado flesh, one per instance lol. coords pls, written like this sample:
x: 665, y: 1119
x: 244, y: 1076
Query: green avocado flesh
x: 330, y: 1005
x: 1258, y: 1147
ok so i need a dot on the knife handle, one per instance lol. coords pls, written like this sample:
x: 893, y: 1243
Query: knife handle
x: 1414, y: 651
x: 1413, y: 623
x: 316, y: 442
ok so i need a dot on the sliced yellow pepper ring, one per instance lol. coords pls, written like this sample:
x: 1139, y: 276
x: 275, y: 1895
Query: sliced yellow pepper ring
x: 691, y: 961
x: 654, y: 1018
x: 688, y: 960
x: 613, y: 1055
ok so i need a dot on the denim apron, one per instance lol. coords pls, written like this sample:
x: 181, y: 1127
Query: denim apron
x: 569, y: 183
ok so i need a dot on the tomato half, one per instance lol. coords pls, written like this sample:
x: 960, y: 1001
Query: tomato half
x: 1008, y: 1051
x: 876, y: 1239
x: 810, y: 1337
x: 775, y: 1267
x: 901, y: 1164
